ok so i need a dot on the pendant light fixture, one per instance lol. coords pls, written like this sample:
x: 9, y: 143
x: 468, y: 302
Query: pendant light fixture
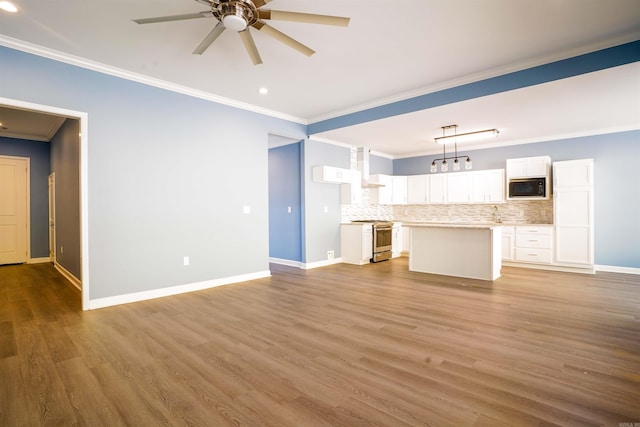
x: 450, y: 135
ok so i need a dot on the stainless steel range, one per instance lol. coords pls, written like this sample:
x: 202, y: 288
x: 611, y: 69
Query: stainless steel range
x: 382, y: 235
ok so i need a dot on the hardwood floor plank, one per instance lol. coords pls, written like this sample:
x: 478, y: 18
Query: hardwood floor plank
x: 8, y: 346
x: 43, y: 394
x: 338, y: 345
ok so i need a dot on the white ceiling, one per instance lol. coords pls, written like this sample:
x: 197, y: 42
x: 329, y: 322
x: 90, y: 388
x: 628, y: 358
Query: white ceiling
x: 390, y: 51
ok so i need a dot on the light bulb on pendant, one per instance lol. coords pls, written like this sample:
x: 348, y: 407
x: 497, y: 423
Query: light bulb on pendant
x: 445, y: 166
x: 456, y: 165
x: 467, y: 164
x: 434, y: 167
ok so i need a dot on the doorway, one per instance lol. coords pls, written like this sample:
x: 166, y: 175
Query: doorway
x: 82, y: 118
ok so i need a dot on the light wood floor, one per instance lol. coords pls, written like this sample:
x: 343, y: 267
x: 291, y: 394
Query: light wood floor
x: 339, y: 345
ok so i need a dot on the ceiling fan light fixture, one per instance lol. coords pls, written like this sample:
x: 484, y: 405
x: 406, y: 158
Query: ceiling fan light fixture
x: 234, y: 22
x: 7, y: 6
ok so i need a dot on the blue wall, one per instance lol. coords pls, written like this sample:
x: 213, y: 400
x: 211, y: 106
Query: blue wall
x: 39, y: 153
x: 285, y: 229
x: 617, y: 185
x: 381, y: 165
x: 168, y: 176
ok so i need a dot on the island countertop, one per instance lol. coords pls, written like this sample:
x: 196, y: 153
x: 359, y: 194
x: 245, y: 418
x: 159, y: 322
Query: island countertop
x: 451, y: 224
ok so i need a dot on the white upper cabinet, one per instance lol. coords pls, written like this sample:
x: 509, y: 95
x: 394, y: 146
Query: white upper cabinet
x: 488, y: 186
x: 418, y: 189
x: 383, y: 194
x: 485, y: 186
x: 528, y: 167
x: 459, y: 187
x: 572, y: 174
x: 438, y: 188
x: 332, y: 175
x: 351, y: 194
x: 399, y: 190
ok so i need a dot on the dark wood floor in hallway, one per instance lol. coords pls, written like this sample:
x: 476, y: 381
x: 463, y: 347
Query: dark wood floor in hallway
x: 341, y: 345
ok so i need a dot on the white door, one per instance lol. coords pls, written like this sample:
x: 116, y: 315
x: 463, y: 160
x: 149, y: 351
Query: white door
x: 13, y: 210
x: 52, y: 217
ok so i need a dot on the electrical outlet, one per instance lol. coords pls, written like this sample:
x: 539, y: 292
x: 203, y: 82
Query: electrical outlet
x: 330, y: 254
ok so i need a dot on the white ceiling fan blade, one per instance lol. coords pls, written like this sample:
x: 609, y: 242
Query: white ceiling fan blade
x: 283, y: 38
x: 204, y: 14
x: 204, y: 44
x: 249, y: 44
x: 308, y: 18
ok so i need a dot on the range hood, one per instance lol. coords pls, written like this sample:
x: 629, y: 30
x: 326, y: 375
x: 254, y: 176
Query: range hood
x: 363, y: 167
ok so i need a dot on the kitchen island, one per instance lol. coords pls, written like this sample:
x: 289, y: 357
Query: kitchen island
x: 462, y: 250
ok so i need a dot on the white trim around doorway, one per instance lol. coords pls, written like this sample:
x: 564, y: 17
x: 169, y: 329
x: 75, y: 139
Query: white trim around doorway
x: 84, y: 181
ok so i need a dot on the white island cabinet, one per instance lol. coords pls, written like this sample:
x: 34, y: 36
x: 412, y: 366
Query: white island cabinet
x: 470, y: 251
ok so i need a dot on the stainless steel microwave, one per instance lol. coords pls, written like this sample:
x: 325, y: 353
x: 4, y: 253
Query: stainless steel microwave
x: 528, y: 187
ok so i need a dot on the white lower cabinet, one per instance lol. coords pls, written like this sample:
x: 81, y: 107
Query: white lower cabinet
x: 356, y: 243
x: 508, y: 243
x: 396, y: 240
x: 534, y: 244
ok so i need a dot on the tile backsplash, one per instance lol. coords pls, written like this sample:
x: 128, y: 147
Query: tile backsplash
x: 366, y: 211
x: 512, y: 211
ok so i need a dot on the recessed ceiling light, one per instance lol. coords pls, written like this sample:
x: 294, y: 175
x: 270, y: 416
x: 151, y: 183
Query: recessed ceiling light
x: 7, y: 6
x: 263, y: 91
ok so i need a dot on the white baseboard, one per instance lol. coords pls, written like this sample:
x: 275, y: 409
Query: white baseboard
x: 305, y: 266
x: 70, y: 277
x: 616, y: 269
x: 551, y: 267
x: 38, y: 260
x: 173, y: 290
x: 286, y: 262
x: 309, y: 266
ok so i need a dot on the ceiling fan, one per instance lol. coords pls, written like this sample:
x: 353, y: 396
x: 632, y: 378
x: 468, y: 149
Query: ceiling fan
x: 239, y: 15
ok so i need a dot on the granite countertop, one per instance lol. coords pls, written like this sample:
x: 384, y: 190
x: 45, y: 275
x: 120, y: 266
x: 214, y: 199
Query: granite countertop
x: 451, y: 225
x: 470, y: 224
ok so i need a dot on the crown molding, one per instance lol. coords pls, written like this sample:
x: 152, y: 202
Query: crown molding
x: 140, y: 78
